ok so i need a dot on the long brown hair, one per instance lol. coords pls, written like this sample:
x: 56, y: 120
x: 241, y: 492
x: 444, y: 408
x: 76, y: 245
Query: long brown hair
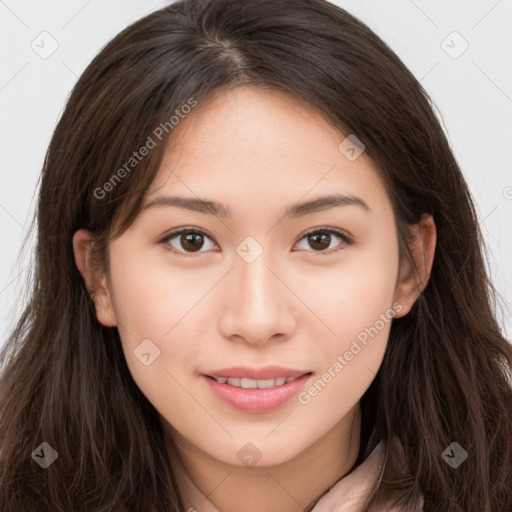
x: 446, y: 373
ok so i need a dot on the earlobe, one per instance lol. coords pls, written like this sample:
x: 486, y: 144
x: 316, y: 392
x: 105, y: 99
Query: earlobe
x: 413, y: 280
x: 97, y: 286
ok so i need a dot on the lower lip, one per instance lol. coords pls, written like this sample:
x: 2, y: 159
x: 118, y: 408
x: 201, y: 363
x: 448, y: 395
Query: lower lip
x: 257, y: 400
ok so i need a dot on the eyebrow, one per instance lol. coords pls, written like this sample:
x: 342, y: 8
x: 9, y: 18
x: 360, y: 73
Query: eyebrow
x: 297, y: 210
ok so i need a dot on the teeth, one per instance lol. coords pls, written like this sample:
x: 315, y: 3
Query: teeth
x: 266, y: 384
x: 253, y: 383
x: 249, y: 383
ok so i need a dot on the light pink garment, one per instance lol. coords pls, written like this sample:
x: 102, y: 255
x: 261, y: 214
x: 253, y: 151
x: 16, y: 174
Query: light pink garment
x: 350, y: 493
x: 347, y: 495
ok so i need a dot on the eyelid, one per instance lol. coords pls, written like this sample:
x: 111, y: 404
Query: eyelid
x: 342, y: 234
x: 181, y: 229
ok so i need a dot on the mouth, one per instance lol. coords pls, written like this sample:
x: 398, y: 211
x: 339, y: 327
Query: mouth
x: 256, y: 390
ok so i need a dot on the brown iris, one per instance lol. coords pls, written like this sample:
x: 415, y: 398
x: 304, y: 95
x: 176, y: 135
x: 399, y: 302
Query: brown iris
x: 318, y: 240
x: 189, y: 241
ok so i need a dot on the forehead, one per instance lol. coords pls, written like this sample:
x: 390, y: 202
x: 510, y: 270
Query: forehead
x: 238, y: 123
x: 249, y: 143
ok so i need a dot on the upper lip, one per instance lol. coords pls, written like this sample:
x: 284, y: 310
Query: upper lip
x: 262, y: 373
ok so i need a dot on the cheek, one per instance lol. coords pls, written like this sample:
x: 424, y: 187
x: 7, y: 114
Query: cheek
x: 158, y: 311
x: 158, y: 353
x: 152, y: 297
x: 355, y: 304
x: 361, y: 321
x: 353, y: 294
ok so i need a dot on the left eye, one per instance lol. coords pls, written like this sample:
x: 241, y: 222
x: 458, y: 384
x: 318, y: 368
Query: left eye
x: 192, y: 241
x: 321, y: 239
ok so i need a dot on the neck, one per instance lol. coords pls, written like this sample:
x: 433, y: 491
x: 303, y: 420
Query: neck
x: 208, y: 484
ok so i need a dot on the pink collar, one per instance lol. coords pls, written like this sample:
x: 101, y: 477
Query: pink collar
x: 350, y: 493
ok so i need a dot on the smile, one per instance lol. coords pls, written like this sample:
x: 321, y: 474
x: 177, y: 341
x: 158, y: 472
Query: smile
x: 256, y: 390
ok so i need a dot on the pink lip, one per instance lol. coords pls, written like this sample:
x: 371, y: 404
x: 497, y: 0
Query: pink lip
x: 266, y: 372
x: 257, y: 400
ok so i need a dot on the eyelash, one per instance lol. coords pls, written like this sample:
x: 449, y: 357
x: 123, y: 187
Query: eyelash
x: 340, y: 234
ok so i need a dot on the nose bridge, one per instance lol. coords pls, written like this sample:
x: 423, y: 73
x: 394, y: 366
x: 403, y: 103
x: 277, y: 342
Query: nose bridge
x: 258, y: 281
x: 251, y: 269
x: 257, y: 307
x: 258, y: 291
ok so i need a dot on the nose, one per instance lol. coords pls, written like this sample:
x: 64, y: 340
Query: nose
x: 258, y: 305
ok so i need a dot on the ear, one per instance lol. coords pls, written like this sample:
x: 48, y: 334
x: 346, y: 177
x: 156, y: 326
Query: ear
x: 95, y: 283
x: 410, y: 283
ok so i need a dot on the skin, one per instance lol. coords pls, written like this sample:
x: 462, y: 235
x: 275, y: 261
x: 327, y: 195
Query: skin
x: 258, y: 152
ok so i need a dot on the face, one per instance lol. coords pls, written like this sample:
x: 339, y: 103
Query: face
x: 276, y: 277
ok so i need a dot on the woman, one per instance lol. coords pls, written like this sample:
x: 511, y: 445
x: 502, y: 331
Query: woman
x: 330, y: 342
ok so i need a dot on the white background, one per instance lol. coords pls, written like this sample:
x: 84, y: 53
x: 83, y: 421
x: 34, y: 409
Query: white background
x: 473, y: 93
